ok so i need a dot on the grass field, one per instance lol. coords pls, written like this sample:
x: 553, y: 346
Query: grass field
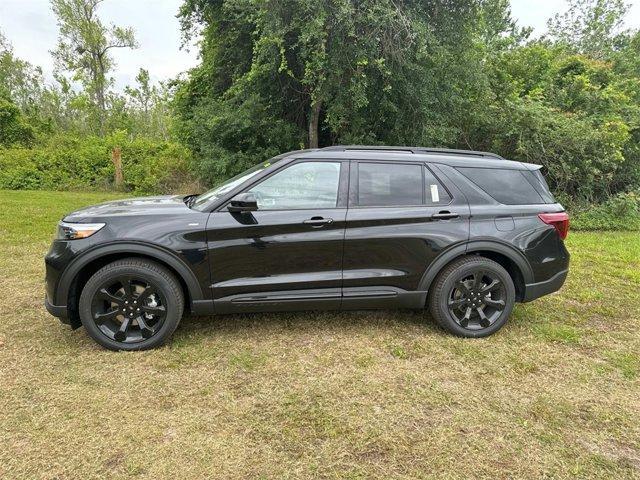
x: 555, y: 394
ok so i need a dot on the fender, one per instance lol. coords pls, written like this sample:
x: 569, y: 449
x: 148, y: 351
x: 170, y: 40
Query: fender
x: 142, y: 248
x: 452, y: 253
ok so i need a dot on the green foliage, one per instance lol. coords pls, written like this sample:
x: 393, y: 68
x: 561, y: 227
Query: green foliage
x: 13, y: 128
x: 589, y: 26
x: 439, y: 74
x: 60, y: 106
x: 146, y: 108
x: 298, y: 72
x: 621, y: 212
x: 19, y: 80
x: 576, y: 116
x: 69, y: 162
x: 84, y: 50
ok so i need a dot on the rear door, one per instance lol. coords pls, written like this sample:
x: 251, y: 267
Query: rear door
x: 401, y: 217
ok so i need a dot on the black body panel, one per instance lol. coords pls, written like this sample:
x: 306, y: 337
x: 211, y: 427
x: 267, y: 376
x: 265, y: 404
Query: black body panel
x: 319, y: 258
x: 275, y: 251
x: 157, y: 227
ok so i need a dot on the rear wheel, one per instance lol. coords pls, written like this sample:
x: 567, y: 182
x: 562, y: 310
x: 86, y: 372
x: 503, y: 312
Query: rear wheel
x: 472, y: 297
x: 131, y: 304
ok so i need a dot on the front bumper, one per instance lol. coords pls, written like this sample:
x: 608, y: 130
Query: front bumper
x: 59, y: 311
x: 59, y: 256
x: 537, y: 290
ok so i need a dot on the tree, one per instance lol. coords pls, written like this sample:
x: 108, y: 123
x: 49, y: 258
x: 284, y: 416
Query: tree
x: 142, y: 95
x: 148, y: 106
x: 305, y: 50
x: 19, y: 80
x: 589, y: 26
x: 14, y: 130
x: 84, y: 49
x: 278, y: 75
x: 283, y: 74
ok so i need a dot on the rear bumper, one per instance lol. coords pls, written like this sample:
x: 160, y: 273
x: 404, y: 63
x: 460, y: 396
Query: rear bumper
x: 537, y: 290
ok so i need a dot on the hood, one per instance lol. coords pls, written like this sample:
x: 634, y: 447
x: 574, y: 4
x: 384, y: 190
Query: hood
x: 168, y: 204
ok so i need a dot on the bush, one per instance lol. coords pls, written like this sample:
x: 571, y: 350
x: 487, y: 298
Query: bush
x: 14, y: 130
x: 66, y: 162
x: 620, y: 212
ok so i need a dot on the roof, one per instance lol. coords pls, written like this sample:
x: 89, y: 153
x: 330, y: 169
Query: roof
x: 454, y: 158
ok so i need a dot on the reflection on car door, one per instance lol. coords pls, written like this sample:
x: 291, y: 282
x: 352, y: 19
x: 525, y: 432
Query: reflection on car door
x: 288, y: 253
x: 400, y: 218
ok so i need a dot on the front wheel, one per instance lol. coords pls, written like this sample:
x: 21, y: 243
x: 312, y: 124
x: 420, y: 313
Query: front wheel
x: 472, y: 297
x: 131, y: 304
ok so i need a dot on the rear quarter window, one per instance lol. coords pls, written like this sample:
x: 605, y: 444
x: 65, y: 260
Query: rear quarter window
x: 511, y: 187
x: 540, y: 184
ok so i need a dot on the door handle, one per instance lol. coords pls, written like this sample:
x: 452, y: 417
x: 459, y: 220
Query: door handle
x: 317, y: 222
x: 444, y: 215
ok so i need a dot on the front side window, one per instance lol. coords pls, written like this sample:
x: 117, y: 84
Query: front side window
x: 225, y: 187
x: 306, y: 185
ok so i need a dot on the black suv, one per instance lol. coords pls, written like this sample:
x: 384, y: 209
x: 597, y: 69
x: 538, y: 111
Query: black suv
x: 340, y: 228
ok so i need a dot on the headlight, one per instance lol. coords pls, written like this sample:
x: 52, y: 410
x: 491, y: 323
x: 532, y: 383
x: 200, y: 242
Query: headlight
x: 74, y: 231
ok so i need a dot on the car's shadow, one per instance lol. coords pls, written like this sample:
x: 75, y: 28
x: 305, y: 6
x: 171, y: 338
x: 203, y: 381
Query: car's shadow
x: 308, y: 321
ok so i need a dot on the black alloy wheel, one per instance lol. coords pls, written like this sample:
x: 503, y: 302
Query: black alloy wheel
x: 128, y: 309
x: 473, y: 296
x: 131, y: 304
x: 477, y: 300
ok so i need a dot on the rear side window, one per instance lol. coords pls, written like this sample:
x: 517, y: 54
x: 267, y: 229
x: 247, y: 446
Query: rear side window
x: 511, y: 187
x: 386, y: 184
x: 435, y: 192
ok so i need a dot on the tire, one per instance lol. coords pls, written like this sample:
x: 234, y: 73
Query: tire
x: 472, y: 297
x: 111, y: 314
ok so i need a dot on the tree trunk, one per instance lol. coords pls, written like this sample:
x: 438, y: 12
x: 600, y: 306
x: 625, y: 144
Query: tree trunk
x: 99, y: 86
x: 314, y: 123
x: 116, y: 158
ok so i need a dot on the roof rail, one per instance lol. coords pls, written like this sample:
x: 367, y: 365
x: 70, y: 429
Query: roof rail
x: 416, y: 150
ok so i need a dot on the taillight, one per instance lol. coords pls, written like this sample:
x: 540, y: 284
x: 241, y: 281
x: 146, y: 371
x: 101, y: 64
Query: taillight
x: 560, y: 222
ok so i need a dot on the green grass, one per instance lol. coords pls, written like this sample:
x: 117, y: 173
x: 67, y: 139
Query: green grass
x: 555, y: 394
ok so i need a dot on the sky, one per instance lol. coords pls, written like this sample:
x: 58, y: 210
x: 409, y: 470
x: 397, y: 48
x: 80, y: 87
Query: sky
x: 31, y: 27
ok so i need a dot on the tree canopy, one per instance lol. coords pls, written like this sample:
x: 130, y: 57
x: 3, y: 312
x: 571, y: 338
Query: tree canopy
x: 84, y: 48
x: 278, y: 75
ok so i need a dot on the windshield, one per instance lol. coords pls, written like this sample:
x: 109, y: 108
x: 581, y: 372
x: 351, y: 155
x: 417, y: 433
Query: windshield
x: 228, y: 185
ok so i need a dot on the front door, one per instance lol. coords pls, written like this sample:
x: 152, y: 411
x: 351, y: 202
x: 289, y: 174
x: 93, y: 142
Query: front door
x: 288, y: 253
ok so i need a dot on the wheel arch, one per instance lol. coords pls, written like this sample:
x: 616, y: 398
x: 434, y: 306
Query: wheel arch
x: 83, y: 267
x: 512, y: 260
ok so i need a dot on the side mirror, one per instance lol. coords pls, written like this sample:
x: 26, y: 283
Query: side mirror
x: 243, y: 202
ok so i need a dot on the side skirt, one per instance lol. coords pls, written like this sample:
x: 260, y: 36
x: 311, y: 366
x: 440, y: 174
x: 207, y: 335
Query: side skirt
x: 374, y: 298
x: 280, y: 301
x: 354, y: 298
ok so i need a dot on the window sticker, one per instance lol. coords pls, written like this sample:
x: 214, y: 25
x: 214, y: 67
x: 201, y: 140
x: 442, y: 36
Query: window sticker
x: 435, y: 196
